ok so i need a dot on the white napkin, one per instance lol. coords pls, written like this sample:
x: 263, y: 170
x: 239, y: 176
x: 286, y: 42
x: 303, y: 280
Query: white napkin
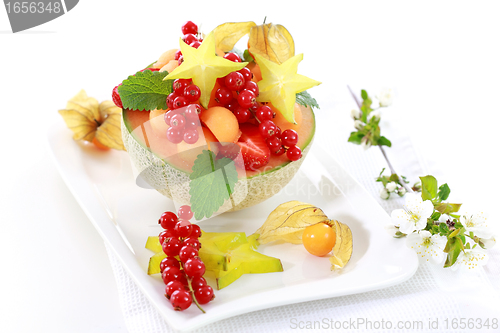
x: 433, y: 296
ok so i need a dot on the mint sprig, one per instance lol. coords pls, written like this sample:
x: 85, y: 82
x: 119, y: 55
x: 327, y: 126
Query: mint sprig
x: 305, y: 99
x: 145, y: 91
x: 212, y: 182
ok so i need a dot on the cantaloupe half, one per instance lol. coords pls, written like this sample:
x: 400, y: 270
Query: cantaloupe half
x: 167, y: 170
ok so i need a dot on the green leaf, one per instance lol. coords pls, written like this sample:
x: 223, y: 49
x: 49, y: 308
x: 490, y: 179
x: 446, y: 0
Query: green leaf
x: 453, y: 252
x: 447, y: 208
x: 435, y: 216
x: 383, y: 141
x: 247, y: 56
x: 399, y: 234
x: 429, y: 187
x: 212, y: 182
x: 364, y: 94
x: 444, y: 192
x: 145, y: 91
x: 356, y: 137
x: 305, y: 99
x: 443, y: 229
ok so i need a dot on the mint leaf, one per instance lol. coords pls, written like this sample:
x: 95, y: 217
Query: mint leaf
x: 145, y: 91
x: 303, y: 98
x: 212, y: 182
x: 429, y: 187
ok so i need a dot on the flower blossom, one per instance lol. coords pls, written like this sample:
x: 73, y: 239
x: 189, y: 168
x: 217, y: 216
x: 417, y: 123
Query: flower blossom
x: 427, y: 246
x: 476, y: 223
x: 386, y: 97
x: 471, y: 259
x: 413, y: 216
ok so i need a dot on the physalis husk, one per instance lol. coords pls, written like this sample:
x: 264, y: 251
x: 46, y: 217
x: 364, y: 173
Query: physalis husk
x: 287, y: 224
x: 88, y: 120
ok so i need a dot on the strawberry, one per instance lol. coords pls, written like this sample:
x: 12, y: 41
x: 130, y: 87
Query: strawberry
x: 253, y: 148
x: 116, y: 97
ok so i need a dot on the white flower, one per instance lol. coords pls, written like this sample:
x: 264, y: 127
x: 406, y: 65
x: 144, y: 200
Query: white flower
x: 476, y: 223
x: 366, y: 143
x: 359, y: 125
x: 391, y: 187
x: 488, y: 243
x: 384, y: 194
x: 356, y: 114
x: 427, y: 246
x: 386, y: 97
x: 471, y: 259
x: 374, y: 114
x: 401, y: 191
x: 414, y: 215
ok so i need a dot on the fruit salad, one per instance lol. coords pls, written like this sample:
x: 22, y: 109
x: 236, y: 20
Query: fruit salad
x: 215, y: 128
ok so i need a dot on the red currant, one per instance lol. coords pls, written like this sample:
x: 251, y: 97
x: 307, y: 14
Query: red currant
x: 289, y: 137
x: 171, y: 273
x: 168, y: 220
x: 192, y: 112
x: 187, y: 252
x: 170, y: 100
x: 183, y: 228
x: 280, y: 151
x: 181, y: 300
x: 179, y: 102
x: 192, y: 241
x: 204, y: 294
x: 264, y: 112
x: 234, y: 81
x: 194, y: 267
x: 195, y: 44
x: 175, y: 135
x: 177, y: 55
x: 171, y: 246
x: 180, y: 84
x: 274, y: 144
x: 178, y: 121
x: 169, y: 262
x: 247, y: 73
x: 191, y: 136
x: 294, y: 153
x: 246, y: 98
x: 173, y: 286
x: 223, y: 95
x: 189, y: 38
x: 198, y: 282
x: 233, y: 105
x: 252, y: 86
x: 185, y: 212
x: 267, y: 129
x: 180, y: 60
x: 189, y: 28
x: 192, y: 93
x: 232, y: 57
x: 242, y: 114
x: 196, y: 231
x: 166, y: 234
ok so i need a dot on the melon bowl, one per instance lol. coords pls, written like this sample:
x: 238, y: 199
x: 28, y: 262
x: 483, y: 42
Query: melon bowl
x: 162, y: 167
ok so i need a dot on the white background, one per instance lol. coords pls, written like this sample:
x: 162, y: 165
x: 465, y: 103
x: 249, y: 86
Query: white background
x: 443, y: 58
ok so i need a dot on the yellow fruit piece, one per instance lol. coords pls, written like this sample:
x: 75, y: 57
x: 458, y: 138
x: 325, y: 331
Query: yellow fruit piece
x: 222, y: 123
x: 165, y: 58
x: 228, y: 254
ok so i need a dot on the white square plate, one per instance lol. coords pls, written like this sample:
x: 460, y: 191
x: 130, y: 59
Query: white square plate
x: 125, y: 215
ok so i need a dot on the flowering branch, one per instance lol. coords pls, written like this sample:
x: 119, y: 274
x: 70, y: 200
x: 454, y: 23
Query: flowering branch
x: 432, y: 226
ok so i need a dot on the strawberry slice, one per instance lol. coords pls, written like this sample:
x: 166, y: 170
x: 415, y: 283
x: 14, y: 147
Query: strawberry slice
x: 253, y: 148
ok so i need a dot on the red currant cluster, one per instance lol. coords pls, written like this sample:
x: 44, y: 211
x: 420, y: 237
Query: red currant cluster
x: 238, y: 93
x: 182, y: 270
x: 191, y: 37
x: 184, y: 110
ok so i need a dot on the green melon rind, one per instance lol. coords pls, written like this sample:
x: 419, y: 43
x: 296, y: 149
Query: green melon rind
x: 169, y: 180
